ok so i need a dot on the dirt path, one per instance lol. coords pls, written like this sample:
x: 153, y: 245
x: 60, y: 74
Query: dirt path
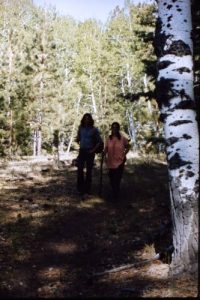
x: 52, y: 241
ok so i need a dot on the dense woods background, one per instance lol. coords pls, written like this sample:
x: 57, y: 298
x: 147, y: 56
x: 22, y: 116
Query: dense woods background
x: 53, y: 69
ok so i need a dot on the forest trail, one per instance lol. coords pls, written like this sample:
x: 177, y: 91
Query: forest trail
x: 52, y: 241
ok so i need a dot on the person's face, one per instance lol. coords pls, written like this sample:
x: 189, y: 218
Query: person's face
x: 115, y: 129
x: 87, y: 120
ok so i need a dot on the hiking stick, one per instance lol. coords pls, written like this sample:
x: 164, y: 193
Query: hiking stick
x: 101, y: 174
x: 167, y: 251
x: 129, y: 266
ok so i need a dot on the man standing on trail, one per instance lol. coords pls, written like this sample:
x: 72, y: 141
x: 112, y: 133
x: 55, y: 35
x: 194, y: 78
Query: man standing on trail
x: 116, y: 148
x: 89, y: 140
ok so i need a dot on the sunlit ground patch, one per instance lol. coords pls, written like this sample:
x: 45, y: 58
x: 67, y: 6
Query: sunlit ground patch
x: 52, y: 273
x: 63, y: 247
x: 91, y: 202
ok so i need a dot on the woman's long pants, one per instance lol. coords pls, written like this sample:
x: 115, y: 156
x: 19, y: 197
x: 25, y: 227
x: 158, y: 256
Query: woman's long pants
x: 84, y: 179
x: 115, y: 176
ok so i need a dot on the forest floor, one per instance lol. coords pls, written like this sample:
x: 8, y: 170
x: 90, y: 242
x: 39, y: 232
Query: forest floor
x: 53, y: 243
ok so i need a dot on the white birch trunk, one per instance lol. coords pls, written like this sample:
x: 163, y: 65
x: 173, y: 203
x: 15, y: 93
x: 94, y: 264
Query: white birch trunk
x: 74, y: 124
x: 122, y: 84
x: 176, y: 101
x: 131, y: 128
x: 92, y: 95
x: 39, y: 142
x: 34, y: 143
x: 128, y: 78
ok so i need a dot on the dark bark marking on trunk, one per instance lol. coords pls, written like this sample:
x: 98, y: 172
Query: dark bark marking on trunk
x: 169, y: 18
x: 181, y: 173
x: 182, y: 70
x: 171, y: 141
x: 165, y: 91
x: 183, y: 94
x: 179, y: 48
x: 188, y: 104
x: 175, y: 162
x: 180, y: 122
x: 186, y: 136
x: 190, y: 174
x: 162, y: 117
x: 160, y: 39
x: 164, y: 64
x: 169, y: 6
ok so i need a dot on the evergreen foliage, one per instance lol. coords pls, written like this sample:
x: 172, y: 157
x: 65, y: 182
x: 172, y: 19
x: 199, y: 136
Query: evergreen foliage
x: 54, y: 69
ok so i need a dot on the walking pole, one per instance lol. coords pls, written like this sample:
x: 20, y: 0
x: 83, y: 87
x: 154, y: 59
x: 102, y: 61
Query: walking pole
x: 101, y: 174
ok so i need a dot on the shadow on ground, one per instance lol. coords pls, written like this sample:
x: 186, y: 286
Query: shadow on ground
x: 52, y: 241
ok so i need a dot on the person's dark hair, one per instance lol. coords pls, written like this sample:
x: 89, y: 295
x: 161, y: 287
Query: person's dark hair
x: 82, y: 124
x: 91, y: 121
x: 116, y: 124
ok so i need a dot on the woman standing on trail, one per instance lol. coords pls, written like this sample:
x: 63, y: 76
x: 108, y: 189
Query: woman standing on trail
x: 89, y: 140
x: 116, y: 148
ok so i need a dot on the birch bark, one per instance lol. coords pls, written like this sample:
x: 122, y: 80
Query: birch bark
x: 175, y: 96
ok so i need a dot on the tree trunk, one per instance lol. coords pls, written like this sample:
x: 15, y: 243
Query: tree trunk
x: 37, y: 140
x: 175, y: 98
x: 74, y: 124
x: 131, y: 128
x: 34, y: 143
x: 92, y: 95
